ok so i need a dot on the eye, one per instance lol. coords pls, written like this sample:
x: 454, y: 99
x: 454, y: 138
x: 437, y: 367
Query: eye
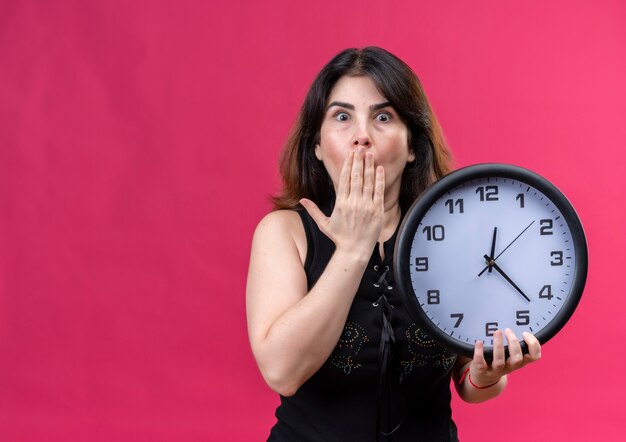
x: 342, y: 116
x: 383, y: 117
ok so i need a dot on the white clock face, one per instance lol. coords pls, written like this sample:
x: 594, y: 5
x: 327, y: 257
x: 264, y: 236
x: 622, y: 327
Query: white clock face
x: 470, y: 284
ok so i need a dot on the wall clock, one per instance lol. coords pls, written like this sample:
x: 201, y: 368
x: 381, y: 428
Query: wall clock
x: 487, y: 247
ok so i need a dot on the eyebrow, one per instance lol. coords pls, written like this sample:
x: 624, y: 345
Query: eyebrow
x: 373, y: 107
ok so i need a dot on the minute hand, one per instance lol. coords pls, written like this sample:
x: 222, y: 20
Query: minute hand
x: 509, y: 280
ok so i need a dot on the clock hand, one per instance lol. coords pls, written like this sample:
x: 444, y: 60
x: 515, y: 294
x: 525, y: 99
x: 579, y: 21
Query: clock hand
x: 500, y: 254
x: 527, y: 227
x: 493, y: 245
x: 493, y: 251
x: 492, y: 263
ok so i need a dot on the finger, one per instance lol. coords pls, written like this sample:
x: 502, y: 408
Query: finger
x: 356, y: 177
x: 369, y: 175
x: 478, y: 360
x: 516, y: 357
x: 343, y: 189
x: 318, y: 216
x: 498, y: 351
x: 534, y: 347
x: 379, y: 188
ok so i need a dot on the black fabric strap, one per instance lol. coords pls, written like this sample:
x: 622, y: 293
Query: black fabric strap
x: 387, y: 341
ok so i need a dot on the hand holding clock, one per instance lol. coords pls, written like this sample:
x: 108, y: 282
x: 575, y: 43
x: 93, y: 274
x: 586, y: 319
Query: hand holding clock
x: 483, y: 380
x: 484, y: 373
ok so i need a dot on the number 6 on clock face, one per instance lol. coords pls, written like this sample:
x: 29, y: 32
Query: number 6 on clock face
x: 490, y: 247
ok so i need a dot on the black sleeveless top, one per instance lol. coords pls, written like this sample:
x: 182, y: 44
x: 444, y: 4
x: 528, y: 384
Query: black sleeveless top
x: 366, y: 390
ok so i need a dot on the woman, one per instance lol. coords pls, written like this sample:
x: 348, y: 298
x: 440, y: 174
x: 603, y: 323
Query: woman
x: 327, y: 329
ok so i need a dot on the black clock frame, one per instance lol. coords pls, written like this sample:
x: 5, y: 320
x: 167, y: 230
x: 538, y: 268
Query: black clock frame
x: 410, y: 224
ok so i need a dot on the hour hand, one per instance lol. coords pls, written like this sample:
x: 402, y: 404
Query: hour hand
x: 493, y: 252
x: 492, y: 263
x: 493, y: 245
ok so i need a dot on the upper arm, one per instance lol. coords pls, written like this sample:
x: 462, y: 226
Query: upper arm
x: 276, y: 276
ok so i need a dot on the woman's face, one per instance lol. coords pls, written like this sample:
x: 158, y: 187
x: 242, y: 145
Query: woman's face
x: 358, y: 115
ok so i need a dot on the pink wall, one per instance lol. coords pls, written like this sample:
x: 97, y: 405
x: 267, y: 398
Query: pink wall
x: 138, y: 145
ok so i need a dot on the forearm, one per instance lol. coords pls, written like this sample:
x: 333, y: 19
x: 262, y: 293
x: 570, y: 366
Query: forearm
x: 303, y: 337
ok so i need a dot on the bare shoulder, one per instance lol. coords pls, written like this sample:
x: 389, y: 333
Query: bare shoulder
x: 282, y: 228
x: 280, y: 219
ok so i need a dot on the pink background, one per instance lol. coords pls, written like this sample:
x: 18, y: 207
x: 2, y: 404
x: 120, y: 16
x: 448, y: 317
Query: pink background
x: 138, y: 146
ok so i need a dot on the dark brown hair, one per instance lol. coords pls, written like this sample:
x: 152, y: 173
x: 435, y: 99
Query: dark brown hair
x: 304, y: 176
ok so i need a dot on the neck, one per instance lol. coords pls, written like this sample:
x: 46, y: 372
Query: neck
x: 391, y: 218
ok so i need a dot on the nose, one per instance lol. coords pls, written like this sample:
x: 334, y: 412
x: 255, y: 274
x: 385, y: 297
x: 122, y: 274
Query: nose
x: 362, y: 141
x: 361, y: 136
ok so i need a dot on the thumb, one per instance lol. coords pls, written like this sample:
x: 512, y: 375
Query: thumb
x: 318, y: 216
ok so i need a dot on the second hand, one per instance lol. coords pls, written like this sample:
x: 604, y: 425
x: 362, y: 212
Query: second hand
x: 500, y: 254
